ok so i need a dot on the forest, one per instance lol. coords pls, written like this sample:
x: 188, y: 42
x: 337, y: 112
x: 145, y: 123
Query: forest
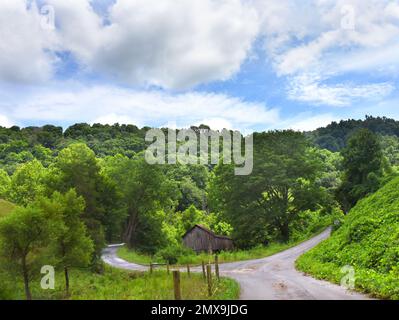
x: 65, y: 194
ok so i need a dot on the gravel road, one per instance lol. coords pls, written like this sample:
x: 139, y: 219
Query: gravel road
x: 270, y: 278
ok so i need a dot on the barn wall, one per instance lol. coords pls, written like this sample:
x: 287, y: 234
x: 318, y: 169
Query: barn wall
x: 200, y: 240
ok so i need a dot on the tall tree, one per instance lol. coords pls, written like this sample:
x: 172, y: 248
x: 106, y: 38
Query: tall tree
x: 262, y: 205
x: 363, y: 167
x: 72, y: 245
x: 76, y: 167
x: 145, y: 190
x: 24, y: 235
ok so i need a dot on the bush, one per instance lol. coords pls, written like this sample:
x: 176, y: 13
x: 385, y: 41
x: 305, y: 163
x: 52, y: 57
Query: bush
x: 172, y: 253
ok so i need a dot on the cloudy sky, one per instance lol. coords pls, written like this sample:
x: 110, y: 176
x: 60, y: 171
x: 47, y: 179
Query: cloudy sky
x: 241, y: 64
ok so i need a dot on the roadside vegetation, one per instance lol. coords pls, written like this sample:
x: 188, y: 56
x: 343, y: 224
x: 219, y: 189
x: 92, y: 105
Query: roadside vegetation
x: 115, y: 284
x: 368, y: 240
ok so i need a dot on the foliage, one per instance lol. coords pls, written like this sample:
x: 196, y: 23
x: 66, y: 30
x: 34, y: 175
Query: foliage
x: 363, y: 168
x: 261, y: 206
x: 27, y: 183
x: 335, y: 136
x: 24, y: 235
x: 145, y: 196
x: 72, y: 246
x: 368, y: 240
x: 76, y: 167
x: 173, y: 253
x: 6, y: 208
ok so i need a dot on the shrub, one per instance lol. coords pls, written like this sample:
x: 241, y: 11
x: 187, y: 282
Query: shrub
x: 172, y: 253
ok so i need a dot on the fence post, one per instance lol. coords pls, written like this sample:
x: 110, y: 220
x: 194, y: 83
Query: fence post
x: 217, y: 266
x: 209, y: 278
x: 188, y: 269
x: 167, y: 267
x: 151, y: 268
x: 176, y: 284
x: 203, y: 270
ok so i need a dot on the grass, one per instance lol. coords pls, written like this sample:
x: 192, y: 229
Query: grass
x: 224, y: 256
x: 117, y: 284
x: 135, y: 256
x: 5, y: 207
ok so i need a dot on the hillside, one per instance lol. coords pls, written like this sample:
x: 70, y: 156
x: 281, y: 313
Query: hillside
x: 335, y: 135
x: 5, y: 207
x: 368, y: 240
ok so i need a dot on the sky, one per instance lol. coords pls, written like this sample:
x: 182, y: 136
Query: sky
x: 250, y: 65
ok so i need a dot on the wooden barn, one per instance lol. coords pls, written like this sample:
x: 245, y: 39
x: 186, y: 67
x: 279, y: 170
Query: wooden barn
x: 200, y: 238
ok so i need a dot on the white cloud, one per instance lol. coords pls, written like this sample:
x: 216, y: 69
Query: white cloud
x: 216, y: 123
x: 113, y: 118
x: 305, y: 122
x: 310, y: 88
x: 108, y: 104
x: 5, y: 121
x: 171, y: 44
x: 311, y: 37
x: 24, y: 44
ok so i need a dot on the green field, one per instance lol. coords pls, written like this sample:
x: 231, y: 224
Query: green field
x: 117, y: 284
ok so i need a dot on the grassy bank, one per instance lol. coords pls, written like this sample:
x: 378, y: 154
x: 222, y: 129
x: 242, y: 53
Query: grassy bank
x: 117, y: 284
x: 368, y: 241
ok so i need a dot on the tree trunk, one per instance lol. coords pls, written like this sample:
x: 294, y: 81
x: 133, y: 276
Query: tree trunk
x: 26, y: 280
x: 66, y: 280
x: 285, y: 231
x: 130, y: 229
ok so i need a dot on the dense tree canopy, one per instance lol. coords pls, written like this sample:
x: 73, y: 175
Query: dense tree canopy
x: 363, y: 167
x: 262, y: 205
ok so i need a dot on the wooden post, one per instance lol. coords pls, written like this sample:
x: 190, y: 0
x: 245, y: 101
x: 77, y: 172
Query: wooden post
x: 209, y: 278
x: 203, y: 270
x: 217, y: 266
x: 151, y: 268
x: 176, y: 284
x: 188, y: 269
x: 167, y: 267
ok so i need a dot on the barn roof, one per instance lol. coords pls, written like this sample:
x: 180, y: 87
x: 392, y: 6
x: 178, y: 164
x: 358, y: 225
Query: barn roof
x: 207, y: 231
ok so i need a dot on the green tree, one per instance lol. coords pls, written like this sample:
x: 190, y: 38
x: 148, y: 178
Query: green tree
x: 145, y: 192
x: 27, y: 183
x: 363, y: 168
x: 72, y: 246
x: 5, y: 183
x: 24, y: 235
x: 76, y: 167
x: 262, y: 205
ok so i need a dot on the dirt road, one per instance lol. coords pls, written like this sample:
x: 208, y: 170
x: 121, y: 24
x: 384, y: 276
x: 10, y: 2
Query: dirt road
x: 271, y: 278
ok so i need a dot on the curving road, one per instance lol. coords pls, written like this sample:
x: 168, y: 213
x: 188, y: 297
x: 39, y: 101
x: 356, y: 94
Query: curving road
x: 270, y: 278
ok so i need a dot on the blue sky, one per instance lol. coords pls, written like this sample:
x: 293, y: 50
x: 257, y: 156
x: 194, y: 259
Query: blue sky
x: 240, y: 64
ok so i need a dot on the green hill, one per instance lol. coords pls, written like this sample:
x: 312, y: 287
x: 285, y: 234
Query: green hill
x: 5, y: 207
x: 368, y: 240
